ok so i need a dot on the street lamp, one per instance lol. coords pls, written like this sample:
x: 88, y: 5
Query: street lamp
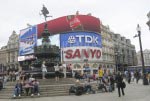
x: 116, y: 61
x: 140, y: 42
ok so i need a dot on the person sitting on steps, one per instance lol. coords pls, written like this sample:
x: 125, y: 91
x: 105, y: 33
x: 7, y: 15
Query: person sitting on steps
x: 35, y: 89
x: 17, y: 89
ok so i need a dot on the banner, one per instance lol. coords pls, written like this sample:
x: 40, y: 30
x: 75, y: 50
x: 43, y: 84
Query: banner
x: 69, y: 23
x: 73, y: 39
x: 27, y: 40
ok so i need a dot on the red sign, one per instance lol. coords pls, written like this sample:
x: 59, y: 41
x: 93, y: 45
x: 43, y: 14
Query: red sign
x: 64, y: 24
x: 74, y: 22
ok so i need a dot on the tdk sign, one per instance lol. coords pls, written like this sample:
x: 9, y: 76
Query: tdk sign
x: 80, y: 39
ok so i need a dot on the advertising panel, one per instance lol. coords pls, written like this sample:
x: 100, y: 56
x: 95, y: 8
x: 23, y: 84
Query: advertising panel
x: 27, y: 40
x: 80, y: 46
x: 71, y: 22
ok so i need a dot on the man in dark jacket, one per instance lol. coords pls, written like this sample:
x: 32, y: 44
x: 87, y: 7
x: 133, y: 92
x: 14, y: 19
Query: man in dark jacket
x: 1, y: 84
x: 119, y: 80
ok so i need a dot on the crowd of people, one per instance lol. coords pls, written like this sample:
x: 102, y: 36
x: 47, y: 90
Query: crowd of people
x: 106, y: 80
x: 26, y: 84
x: 109, y: 81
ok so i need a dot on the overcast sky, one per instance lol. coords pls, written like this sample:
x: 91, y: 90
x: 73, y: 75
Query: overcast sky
x: 122, y: 16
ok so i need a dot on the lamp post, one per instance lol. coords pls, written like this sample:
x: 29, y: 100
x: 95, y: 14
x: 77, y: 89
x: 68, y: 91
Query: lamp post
x: 116, y: 61
x: 141, y: 50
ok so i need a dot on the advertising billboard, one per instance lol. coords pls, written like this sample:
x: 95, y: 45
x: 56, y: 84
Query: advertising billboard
x: 27, y: 40
x: 71, y: 22
x: 80, y: 46
x: 32, y: 36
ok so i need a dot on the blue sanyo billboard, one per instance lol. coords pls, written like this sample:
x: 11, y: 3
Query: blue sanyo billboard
x: 27, y: 40
x: 78, y: 46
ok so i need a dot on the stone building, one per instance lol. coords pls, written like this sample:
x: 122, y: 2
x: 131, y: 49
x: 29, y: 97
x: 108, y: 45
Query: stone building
x: 3, y: 60
x: 12, y: 52
x: 146, y: 56
x: 108, y: 60
x: 125, y: 54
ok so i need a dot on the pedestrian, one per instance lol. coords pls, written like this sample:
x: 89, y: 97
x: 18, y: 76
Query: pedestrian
x: 17, y: 89
x: 119, y: 80
x: 112, y: 82
x: 100, y: 74
x: 149, y: 77
x: 64, y: 69
x: 137, y: 76
x: 132, y: 76
x: 44, y: 70
x: 5, y: 80
x: 129, y: 77
x: 57, y: 74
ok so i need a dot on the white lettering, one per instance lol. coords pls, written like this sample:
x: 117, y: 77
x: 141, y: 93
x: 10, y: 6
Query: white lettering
x: 80, y: 37
x: 95, y: 39
x: 88, y: 39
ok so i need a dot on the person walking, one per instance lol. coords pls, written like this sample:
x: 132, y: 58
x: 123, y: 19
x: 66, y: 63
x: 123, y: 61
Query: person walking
x: 137, y: 76
x: 149, y: 77
x: 100, y: 74
x: 119, y: 80
x: 129, y: 77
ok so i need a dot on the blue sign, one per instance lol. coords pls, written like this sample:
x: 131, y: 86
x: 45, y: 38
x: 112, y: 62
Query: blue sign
x: 74, y: 39
x: 27, y: 40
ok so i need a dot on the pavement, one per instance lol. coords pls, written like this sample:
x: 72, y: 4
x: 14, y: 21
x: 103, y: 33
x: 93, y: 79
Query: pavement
x: 133, y: 92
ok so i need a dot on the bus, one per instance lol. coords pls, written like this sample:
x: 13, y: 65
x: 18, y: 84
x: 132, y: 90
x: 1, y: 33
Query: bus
x: 138, y: 68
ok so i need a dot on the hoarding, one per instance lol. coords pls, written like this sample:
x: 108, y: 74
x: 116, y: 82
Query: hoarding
x: 78, y: 46
x: 31, y: 37
x: 27, y: 40
x: 71, y: 22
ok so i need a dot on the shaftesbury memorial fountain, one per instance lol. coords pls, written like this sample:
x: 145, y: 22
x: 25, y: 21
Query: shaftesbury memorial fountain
x: 46, y: 52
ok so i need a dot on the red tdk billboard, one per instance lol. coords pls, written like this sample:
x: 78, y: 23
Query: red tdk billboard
x: 71, y: 23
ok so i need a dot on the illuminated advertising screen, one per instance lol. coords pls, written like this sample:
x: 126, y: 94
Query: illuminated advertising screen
x: 27, y: 40
x: 80, y: 46
x: 71, y: 22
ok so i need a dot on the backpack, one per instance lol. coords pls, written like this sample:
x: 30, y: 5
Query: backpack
x: 72, y: 89
x: 123, y: 84
x: 79, y: 91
